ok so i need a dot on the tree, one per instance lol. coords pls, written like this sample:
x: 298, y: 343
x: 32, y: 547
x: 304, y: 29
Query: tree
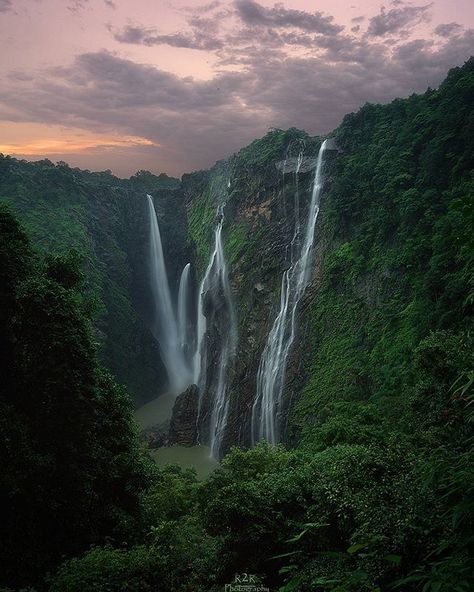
x: 72, y: 469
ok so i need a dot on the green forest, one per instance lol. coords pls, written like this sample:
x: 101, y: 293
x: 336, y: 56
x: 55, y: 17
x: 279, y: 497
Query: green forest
x: 372, y: 489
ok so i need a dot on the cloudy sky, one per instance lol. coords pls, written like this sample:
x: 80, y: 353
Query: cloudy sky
x: 173, y: 85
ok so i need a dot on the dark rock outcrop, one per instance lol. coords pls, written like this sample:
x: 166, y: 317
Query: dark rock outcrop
x: 183, y: 427
x: 156, y: 436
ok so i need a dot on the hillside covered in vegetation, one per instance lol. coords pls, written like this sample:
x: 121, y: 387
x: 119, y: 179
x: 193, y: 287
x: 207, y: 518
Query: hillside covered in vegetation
x: 371, y: 488
x: 103, y: 219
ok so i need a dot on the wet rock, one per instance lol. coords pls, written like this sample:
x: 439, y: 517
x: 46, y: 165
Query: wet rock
x: 183, y: 426
x: 156, y: 436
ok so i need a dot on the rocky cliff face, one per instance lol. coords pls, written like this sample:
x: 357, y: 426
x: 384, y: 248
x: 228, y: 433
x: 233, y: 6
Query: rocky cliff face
x: 390, y: 219
x: 183, y: 426
x: 264, y: 196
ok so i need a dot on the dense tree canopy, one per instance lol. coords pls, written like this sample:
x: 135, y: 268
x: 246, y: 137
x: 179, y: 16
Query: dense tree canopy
x: 72, y: 470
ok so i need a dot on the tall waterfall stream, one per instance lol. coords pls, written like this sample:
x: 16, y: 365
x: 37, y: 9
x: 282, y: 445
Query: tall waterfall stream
x: 165, y: 325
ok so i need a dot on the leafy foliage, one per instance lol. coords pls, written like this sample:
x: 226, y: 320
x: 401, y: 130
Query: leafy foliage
x: 72, y: 469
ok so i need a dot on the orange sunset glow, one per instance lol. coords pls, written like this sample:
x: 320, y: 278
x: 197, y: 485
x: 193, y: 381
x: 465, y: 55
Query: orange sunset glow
x: 70, y: 145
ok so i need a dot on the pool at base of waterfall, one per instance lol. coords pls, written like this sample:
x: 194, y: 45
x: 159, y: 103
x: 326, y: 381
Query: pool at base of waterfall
x: 192, y: 457
x: 158, y: 413
x: 155, y: 412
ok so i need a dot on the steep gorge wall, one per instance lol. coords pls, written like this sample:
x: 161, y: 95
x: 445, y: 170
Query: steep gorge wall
x: 391, y: 280
x: 260, y: 217
x: 393, y: 293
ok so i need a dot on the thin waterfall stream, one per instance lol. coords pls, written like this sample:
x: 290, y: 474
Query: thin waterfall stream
x: 266, y: 409
x: 184, y: 319
x: 185, y: 349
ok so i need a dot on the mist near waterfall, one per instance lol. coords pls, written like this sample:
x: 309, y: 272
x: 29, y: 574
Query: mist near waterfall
x: 165, y: 325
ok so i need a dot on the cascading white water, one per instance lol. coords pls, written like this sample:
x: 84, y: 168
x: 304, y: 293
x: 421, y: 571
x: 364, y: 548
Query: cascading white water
x: 183, y: 312
x: 220, y: 407
x: 215, y: 285
x: 199, y: 360
x: 272, y: 368
x: 165, y: 328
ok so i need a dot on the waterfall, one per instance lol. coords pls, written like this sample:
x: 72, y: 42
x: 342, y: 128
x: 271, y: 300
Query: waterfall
x: 183, y: 313
x: 165, y: 327
x: 271, y: 372
x: 215, y: 289
x: 199, y: 360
